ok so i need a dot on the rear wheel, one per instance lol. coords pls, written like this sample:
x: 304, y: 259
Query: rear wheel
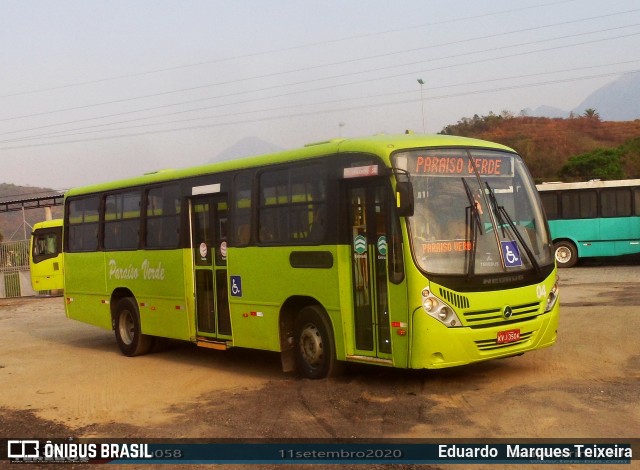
x: 566, y: 254
x: 128, y: 331
x: 315, y: 349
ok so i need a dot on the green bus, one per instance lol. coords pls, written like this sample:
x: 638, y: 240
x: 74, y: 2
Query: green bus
x: 406, y: 251
x: 594, y: 218
x: 45, y: 256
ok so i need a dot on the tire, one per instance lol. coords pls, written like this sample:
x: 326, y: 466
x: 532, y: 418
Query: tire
x: 127, y: 328
x: 566, y: 254
x: 315, y: 350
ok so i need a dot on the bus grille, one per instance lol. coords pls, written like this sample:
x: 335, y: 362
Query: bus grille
x: 492, y: 317
x: 492, y: 344
x: 457, y: 300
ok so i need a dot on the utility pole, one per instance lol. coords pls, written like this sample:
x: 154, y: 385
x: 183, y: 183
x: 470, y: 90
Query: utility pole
x: 421, y: 82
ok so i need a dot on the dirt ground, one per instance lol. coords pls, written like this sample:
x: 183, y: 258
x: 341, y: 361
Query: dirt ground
x: 62, y: 378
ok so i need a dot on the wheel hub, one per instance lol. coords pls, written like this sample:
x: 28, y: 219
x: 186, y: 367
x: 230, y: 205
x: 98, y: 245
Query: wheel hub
x: 563, y: 255
x: 127, y: 327
x: 311, y: 346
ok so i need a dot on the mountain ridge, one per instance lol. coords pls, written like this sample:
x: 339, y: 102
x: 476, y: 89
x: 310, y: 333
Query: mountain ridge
x: 618, y: 100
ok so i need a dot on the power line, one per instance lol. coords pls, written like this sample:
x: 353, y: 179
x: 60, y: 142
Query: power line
x: 64, y: 133
x: 286, y: 49
x: 333, y: 64
x: 350, y: 74
x: 304, y: 114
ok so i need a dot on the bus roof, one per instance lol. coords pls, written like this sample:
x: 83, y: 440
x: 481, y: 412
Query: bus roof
x: 593, y: 184
x: 382, y: 145
x: 48, y: 224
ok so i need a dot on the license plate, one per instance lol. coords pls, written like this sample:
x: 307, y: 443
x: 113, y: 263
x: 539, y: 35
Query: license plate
x: 508, y: 336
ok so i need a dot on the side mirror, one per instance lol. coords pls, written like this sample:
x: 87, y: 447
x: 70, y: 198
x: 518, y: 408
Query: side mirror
x: 404, y: 198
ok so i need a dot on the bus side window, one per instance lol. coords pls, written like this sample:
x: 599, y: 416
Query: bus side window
x: 163, y: 217
x: 579, y: 205
x: 122, y: 221
x: 615, y: 202
x: 241, y: 216
x: 292, y: 201
x: 318, y: 227
x: 243, y: 234
x: 83, y: 224
x: 550, y: 203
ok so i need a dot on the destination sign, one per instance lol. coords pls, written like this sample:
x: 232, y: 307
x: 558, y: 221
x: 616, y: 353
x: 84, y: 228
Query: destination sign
x: 446, y: 246
x: 447, y: 165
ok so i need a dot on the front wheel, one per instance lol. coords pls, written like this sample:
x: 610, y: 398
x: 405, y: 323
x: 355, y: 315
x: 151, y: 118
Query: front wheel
x: 314, y: 344
x: 566, y: 254
x: 128, y: 331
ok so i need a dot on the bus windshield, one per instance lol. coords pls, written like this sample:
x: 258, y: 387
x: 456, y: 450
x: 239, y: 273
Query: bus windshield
x: 476, y: 213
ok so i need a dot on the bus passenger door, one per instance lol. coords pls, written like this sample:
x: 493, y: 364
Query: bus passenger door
x: 209, y: 246
x: 368, y: 205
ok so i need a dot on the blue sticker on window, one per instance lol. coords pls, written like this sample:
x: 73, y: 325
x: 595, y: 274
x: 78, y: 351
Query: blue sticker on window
x: 511, y: 254
x: 236, y: 286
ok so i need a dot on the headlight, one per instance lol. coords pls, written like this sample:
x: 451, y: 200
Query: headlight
x: 429, y: 304
x: 437, y: 309
x: 552, y: 298
x: 444, y: 313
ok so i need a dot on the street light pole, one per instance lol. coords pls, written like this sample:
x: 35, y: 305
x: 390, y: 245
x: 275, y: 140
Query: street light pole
x: 421, y: 82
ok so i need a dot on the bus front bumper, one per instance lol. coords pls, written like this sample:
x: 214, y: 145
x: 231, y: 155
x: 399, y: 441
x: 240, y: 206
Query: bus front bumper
x: 448, y: 347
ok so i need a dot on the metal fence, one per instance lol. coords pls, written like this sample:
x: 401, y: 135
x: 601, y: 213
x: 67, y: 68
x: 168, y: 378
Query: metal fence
x: 15, y: 280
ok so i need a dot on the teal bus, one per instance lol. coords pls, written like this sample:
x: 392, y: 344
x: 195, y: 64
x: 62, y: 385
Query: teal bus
x: 406, y: 251
x: 594, y: 218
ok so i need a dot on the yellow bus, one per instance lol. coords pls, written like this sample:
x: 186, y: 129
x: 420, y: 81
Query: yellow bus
x: 45, y: 256
x: 406, y: 251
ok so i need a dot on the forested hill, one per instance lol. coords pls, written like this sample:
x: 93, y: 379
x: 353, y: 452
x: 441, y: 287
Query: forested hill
x: 576, y: 148
x: 11, y: 226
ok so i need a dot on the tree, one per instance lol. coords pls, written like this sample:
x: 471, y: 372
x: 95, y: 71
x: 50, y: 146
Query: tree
x: 599, y: 164
x: 630, y: 158
x: 591, y: 113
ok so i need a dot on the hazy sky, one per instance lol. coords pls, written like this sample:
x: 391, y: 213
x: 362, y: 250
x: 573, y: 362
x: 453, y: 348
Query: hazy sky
x: 92, y: 91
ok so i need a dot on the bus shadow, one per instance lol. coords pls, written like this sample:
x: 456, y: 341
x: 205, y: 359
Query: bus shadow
x: 597, y: 262
x: 267, y: 364
x: 249, y: 361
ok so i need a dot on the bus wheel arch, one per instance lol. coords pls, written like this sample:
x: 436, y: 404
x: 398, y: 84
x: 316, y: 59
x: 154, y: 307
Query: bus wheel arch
x: 565, y: 253
x: 125, y: 317
x: 314, y: 343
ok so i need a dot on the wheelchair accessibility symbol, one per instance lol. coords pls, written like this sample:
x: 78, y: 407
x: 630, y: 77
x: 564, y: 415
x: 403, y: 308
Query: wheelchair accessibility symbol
x: 236, y: 286
x: 511, y: 254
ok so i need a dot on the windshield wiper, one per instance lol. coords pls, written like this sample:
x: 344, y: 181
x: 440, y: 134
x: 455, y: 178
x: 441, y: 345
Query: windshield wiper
x: 474, y: 204
x: 502, y: 215
x: 497, y: 210
x: 473, y: 222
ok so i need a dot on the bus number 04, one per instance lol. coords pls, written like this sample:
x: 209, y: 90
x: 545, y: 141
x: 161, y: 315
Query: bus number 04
x: 541, y: 290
